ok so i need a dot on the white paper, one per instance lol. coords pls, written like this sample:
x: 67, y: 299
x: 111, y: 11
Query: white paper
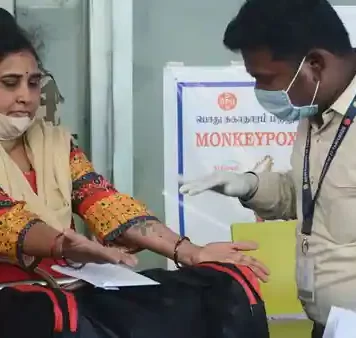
x: 341, y: 324
x: 107, y: 276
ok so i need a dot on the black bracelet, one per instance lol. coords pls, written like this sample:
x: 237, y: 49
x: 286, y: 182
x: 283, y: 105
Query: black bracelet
x: 31, y: 266
x: 175, y: 254
x: 252, y: 193
x: 73, y: 265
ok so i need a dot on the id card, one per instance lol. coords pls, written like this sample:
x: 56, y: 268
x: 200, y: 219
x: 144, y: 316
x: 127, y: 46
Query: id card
x: 305, y: 278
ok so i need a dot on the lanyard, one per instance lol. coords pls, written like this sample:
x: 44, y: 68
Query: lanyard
x: 308, y: 202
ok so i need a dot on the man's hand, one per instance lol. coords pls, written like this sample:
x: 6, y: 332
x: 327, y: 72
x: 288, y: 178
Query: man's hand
x: 225, y: 183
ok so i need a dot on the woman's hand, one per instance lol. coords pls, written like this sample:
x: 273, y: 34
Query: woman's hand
x: 227, y: 252
x: 80, y: 249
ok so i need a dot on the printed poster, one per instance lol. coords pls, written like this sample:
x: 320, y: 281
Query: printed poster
x: 213, y: 122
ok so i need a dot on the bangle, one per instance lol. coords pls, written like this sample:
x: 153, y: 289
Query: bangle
x: 54, y: 248
x: 67, y: 262
x: 175, y: 254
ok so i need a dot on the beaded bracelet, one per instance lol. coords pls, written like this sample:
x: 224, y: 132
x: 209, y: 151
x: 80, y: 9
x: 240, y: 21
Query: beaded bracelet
x: 175, y: 254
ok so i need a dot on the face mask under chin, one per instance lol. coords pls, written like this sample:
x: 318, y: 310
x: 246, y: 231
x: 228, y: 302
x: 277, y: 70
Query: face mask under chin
x: 12, y: 128
x: 278, y: 102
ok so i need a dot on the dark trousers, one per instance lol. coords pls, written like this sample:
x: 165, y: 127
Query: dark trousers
x: 318, y: 330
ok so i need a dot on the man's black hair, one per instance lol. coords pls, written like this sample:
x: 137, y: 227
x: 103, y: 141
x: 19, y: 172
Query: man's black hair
x: 288, y: 28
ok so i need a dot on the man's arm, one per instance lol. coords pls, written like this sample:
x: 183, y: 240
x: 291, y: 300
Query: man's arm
x: 275, y: 197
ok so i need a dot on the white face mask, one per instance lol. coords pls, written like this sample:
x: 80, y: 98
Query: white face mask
x: 13, y: 127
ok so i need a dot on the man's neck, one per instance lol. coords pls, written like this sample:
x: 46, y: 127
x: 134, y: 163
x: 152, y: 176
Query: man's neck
x: 350, y: 73
x: 318, y: 120
x: 349, y: 70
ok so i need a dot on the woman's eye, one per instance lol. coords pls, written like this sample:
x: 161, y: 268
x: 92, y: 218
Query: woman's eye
x: 10, y: 83
x: 35, y: 83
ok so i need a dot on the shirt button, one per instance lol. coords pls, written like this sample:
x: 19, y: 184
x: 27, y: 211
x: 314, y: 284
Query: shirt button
x: 311, y: 180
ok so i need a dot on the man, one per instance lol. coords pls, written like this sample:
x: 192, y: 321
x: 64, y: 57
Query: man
x: 300, y: 54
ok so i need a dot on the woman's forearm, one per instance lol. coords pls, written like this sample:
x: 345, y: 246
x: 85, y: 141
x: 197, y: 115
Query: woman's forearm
x: 159, y: 238
x: 39, y: 240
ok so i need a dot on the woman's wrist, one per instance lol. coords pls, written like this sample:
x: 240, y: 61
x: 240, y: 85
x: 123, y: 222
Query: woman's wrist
x: 187, y: 253
x: 57, y: 246
x: 39, y: 240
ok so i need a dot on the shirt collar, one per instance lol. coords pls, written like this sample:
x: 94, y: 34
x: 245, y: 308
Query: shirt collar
x: 343, y: 102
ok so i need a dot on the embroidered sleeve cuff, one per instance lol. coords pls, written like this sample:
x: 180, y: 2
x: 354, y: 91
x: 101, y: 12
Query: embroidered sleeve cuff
x: 139, y: 222
x: 14, y: 225
x: 112, y: 215
x: 27, y: 262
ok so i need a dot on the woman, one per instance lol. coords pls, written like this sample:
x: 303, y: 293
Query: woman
x: 45, y: 178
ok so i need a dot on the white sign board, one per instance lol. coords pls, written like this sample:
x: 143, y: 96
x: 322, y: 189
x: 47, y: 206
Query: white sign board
x: 212, y: 121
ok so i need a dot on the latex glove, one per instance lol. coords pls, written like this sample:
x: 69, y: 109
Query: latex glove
x: 80, y: 249
x: 225, y: 183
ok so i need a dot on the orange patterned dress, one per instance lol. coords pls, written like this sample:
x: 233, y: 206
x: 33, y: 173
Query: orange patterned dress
x: 106, y: 212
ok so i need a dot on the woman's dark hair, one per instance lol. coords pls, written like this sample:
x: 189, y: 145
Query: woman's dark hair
x: 13, y: 38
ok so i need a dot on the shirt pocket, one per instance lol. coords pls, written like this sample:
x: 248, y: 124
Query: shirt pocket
x: 338, y: 199
x: 340, y: 219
